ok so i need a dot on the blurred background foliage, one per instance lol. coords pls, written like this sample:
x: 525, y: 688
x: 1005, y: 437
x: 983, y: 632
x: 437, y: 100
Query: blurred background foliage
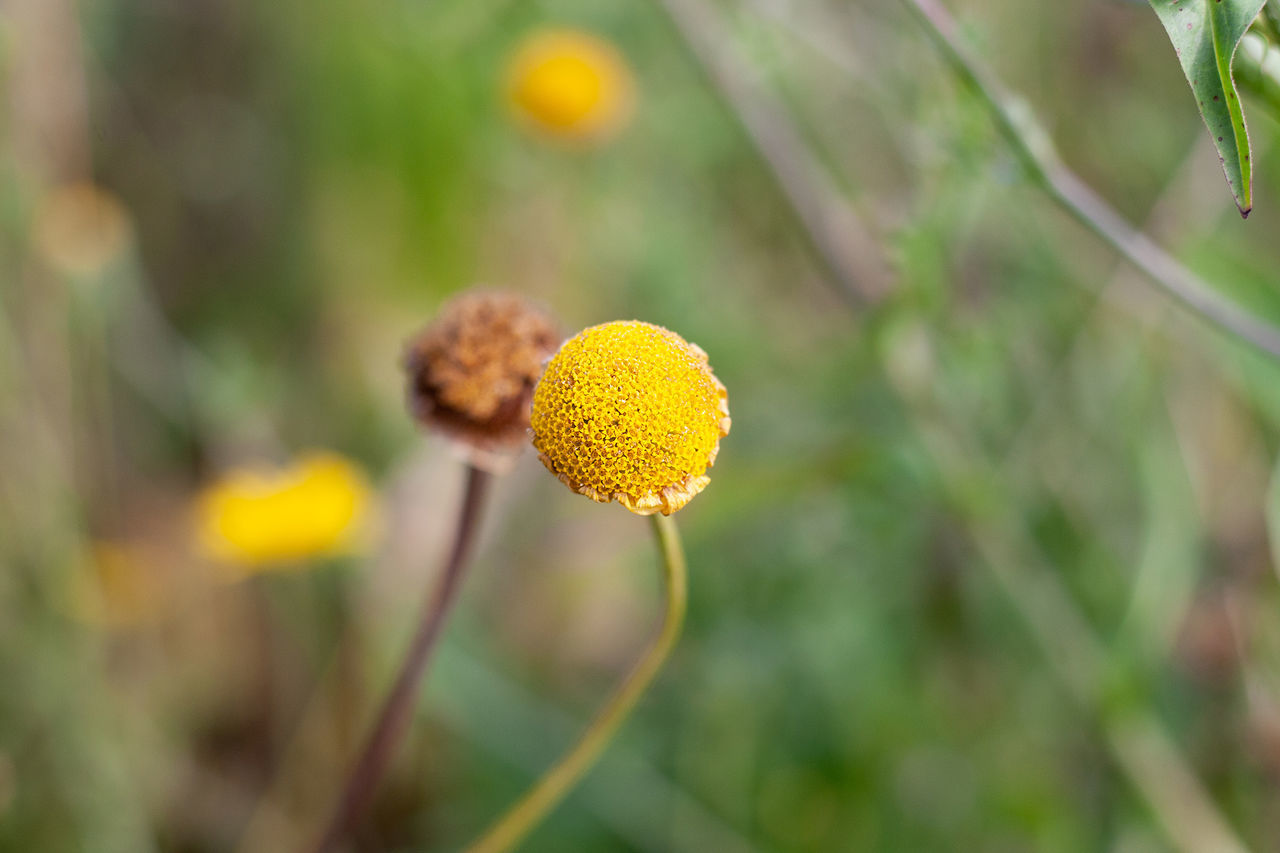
x: 221, y: 220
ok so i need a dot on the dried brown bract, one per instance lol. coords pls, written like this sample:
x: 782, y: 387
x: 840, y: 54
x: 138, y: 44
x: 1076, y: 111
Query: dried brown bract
x: 473, y: 370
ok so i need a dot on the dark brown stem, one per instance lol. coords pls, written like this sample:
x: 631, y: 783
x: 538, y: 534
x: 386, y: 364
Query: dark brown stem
x: 398, y: 708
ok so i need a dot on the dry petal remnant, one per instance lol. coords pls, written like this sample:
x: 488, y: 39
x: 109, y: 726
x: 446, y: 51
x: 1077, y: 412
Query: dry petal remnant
x: 629, y: 411
x: 472, y: 371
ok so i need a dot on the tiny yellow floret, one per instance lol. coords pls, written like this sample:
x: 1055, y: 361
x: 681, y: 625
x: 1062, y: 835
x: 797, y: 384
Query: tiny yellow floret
x: 258, y: 519
x: 570, y: 85
x: 629, y: 411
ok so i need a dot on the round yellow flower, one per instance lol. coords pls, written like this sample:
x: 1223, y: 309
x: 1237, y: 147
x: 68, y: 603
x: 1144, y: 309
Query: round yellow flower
x: 629, y: 411
x: 570, y: 85
x: 258, y: 518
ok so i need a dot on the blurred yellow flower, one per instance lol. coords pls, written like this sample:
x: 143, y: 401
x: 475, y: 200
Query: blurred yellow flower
x: 257, y: 518
x: 570, y: 85
x: 631, y: 412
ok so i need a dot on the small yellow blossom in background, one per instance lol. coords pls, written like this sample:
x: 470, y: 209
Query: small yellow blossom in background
x: 631, y: 412
x: 570, y: 85
x: 263, y: 518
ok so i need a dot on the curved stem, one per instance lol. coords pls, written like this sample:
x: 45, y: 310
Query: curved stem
x: 538, y: 802
x: 398, y: 708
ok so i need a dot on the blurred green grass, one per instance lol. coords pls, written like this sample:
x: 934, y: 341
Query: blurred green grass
x: 307, y: 184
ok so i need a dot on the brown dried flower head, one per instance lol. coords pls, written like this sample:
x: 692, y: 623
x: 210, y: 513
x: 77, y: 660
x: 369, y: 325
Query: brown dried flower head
x: 472, y: 372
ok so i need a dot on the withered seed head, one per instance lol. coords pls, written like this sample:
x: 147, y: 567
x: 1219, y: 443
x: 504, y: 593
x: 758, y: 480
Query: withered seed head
x: 472, y: 372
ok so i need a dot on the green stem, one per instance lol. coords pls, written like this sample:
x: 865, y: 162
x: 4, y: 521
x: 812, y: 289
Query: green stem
x: 538, y: 802
x: 1034, y: 151
x: 841, y: 240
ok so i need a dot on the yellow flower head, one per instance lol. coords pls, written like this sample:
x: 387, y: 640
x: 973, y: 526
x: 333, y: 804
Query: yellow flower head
x: 570, y: 85
x: 472, y: 372
x: 631, y: 412
x: 258, y: 518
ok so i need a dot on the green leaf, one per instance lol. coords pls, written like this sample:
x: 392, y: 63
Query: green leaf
x: 1205, y: 34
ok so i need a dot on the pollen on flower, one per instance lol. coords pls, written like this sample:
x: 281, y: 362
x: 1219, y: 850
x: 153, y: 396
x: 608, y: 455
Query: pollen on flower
x: 629, y: 411
x: 472, y: 372
x: 570, y: 85
x: 258, y: 518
